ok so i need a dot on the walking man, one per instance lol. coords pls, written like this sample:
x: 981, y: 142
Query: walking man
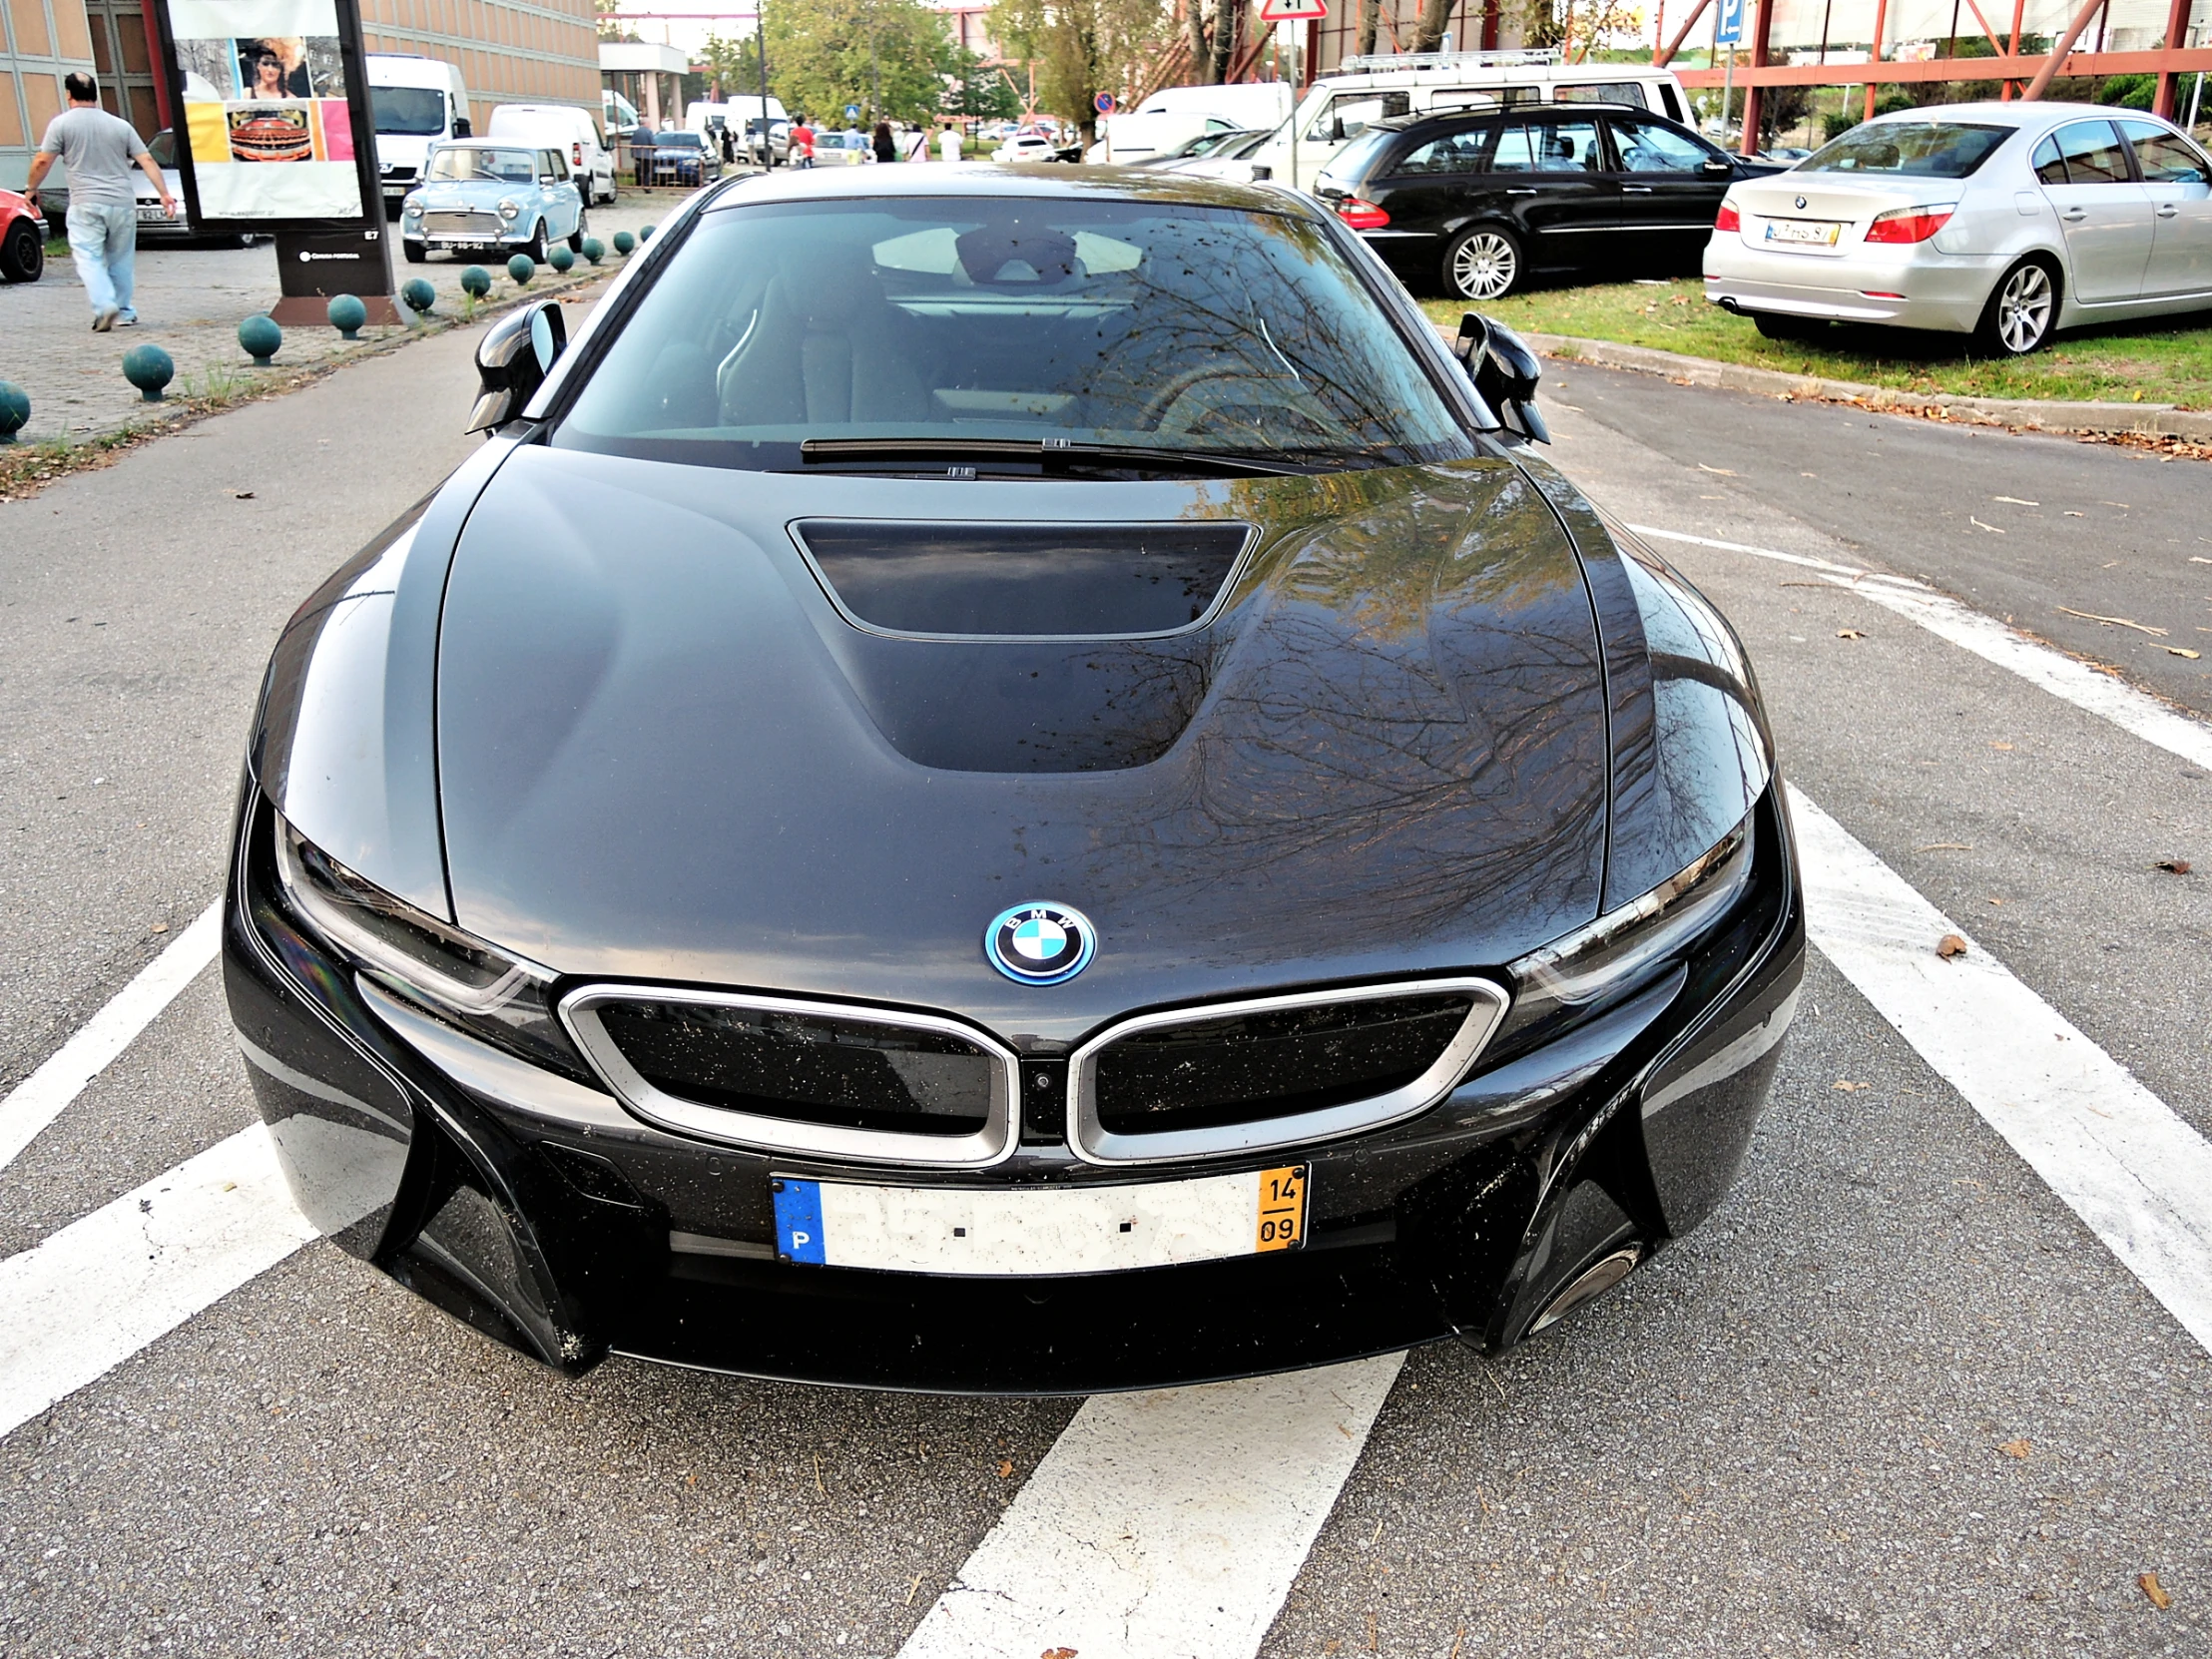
x: 97, y: 149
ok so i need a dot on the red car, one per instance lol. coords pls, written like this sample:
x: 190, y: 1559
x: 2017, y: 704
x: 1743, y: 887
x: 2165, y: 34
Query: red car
x: 22, y: 239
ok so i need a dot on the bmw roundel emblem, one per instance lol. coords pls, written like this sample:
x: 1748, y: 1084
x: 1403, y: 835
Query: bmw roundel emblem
x: 1040, y: 944
x: 1801, y: 201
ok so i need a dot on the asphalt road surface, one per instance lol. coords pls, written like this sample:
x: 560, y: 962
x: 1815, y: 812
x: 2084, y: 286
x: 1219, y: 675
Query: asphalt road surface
x: 1933, y: 1381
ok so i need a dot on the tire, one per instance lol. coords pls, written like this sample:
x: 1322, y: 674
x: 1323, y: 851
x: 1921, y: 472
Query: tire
x: 1485, y: 263
x: 576, y: 239
x: 22, y: 253
x: 415, y: 251
x: 1780, y: 325
x: 535, y: 246
x: 2023, y: 312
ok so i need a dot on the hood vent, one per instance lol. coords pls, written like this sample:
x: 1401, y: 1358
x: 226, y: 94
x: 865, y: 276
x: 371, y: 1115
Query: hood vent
x: 1026, y: 582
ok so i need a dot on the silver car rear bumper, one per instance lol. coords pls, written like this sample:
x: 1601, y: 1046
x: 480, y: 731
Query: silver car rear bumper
x: 1941, y: 291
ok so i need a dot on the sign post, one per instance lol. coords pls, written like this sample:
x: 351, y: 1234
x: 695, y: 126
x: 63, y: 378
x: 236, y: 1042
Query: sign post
x: 1727, y: 30
x: 1282, y: 14
x: 276, y: 138
x: 1104, y: 105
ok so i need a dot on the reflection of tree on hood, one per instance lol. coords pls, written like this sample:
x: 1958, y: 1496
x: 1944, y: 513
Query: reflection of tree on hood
x: 275, y: 66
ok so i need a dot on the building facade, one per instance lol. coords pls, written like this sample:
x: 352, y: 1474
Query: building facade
x: 508, y: 51
x: 40, y: 42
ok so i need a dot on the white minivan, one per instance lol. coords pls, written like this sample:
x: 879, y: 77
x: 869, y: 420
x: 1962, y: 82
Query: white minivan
x: 570, y: 127
x: 417, y: 101
x: 1338, y: 105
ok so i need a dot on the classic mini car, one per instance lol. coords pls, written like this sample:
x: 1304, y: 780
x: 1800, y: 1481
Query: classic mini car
x: 2009, y: 221
x: 482, y: 194
x: 993, y: 783
x: 22, y: 239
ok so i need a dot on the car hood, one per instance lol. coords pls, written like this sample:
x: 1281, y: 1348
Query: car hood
x: 665, y: 753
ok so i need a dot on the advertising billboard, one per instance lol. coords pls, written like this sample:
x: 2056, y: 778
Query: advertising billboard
x: 275, y: 131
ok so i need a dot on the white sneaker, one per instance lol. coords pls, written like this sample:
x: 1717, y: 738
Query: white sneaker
x: 104, y: 319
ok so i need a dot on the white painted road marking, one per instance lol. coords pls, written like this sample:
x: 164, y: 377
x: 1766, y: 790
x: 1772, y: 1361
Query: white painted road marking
x: 44, y: 1095
x: 1164, y: 1526
x: 2077, y: 683
x: 86, y: 1299
x: 2139, y: 1177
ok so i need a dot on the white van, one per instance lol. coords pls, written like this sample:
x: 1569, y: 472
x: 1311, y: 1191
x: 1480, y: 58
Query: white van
x: 569, y: 127
x: 1338, y: 105
x: 416, y: 102
x: 617, y: 115
x: 1173, y: 116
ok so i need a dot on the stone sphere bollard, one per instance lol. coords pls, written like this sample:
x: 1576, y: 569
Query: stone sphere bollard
x: 624, y: 242
x: 419, y: 295
x: 561, y: 259
x: 260, y: 337
x: 477, y: 282
x: 15, y: 409
x: 645, y: 235
x: 347, y: 315
x: 522, y: 267
x: 149, y: 368
x: 594, y: 249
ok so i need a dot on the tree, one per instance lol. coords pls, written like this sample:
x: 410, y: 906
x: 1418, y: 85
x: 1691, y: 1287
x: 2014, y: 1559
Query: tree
x: 892, y: 58
x: 979, y: 92
x: 1210, y: 31
x: 1082, y: 48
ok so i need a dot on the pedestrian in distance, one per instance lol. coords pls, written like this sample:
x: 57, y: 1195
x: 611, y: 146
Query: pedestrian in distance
x: 914, y: 143
x: 948, y: 145
x: 97, y: 149
x: 887, y: 148
x: 641, y: 150
x: 802, y: 152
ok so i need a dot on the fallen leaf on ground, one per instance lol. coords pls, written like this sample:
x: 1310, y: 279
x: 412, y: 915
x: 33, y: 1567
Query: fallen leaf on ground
x: 1978, y: 525
x: 2016, y: 1448
x: 1945, y: 847
x: 2183, y: 651
x: 1005, y: 1468
x: 1847, y: 1085
x: 2000, y: 746
x: 2015, y: 500
x: 2174, y: 866
x: 1849, y: 633
x: 2155, y: 1590
x: 240, y: 495
x: 1719, y: 472
x: 1057, y: 1653
x: 1949, y: 945
x: 2114, y: 620
x: 160, y: 928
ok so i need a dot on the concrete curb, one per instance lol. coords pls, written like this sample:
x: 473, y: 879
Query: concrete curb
x: 2022, y: 414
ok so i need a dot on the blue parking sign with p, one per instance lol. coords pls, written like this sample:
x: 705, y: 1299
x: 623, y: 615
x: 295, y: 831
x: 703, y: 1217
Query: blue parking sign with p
x: 1731, y: 28
x: 798, y: 1221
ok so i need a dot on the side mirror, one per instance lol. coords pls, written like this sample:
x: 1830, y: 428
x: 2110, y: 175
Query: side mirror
x: 462, y: 127
x: 1262, y: 173
x: 1335, y: 129
x: 512, y: 361
x: 1716, y: 168
x: 1505, y: 372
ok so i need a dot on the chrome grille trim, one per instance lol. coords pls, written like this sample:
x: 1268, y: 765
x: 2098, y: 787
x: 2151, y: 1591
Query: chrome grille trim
x: 1093, y: 1142
x: 460, y: 224
x: 991, y: 1144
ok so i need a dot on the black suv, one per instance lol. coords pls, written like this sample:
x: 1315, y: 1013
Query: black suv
x: 1479, y: 200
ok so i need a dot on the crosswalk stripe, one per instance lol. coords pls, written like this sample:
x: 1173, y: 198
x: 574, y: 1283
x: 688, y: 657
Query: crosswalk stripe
x: 44, y: 1095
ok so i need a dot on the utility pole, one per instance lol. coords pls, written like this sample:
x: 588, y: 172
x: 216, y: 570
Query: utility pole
x: 874, y: 70
x: 760, y: 51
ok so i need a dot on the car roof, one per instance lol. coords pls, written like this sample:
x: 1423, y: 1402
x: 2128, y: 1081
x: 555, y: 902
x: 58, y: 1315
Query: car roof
x: 1992, y: 114
x: 1116, y: 184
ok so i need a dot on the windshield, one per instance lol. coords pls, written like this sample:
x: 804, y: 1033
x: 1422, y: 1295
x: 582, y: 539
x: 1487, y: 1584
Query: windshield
x: 1115, y: 323
x: 414, y: 111
x: 513, y: 167
x: 1926, y: 149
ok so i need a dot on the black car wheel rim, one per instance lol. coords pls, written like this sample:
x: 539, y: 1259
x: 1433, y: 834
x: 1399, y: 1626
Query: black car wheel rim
x: 1484, y: 266
x: 2025, y: 309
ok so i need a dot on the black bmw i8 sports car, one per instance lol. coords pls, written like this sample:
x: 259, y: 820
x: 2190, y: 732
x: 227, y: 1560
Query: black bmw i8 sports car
x: 1008, y: 782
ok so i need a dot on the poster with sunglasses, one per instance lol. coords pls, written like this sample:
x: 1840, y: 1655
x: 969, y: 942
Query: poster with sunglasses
x: 271, y: 120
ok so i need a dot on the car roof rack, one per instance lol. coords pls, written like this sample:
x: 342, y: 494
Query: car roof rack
x: 1410, y: 61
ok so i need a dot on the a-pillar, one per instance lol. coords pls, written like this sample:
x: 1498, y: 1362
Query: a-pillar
x: 1762, y: 21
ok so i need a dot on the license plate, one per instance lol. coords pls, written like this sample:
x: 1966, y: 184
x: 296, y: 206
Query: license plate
x: 1820, y: 233
x: 1006, y: 1232
x: 152, y: 216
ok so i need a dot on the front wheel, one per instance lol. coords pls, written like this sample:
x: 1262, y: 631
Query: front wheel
x: 1482, y: 263
x: 535, y: 246
x: 22, y: 253
x: 576, y: 237
x: 2022, y: 312
x: 415, y: 251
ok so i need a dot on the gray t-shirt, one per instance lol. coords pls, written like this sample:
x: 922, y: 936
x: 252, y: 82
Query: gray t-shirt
x: 100, y: 151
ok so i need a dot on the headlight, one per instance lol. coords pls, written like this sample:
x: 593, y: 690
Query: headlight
x: 507, y: 209
x: 494, y: 996
x: 413, y: 209
x: 1626, y: 948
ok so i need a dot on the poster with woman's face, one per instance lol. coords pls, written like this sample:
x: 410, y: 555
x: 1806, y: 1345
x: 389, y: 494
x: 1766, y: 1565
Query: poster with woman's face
x: 266, y: 108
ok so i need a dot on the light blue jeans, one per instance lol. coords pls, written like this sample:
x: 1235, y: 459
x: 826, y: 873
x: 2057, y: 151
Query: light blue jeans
x: 102, y: 239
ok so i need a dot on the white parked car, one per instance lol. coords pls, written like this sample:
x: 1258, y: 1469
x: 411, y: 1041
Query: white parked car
x: 2006, y: 220
x: 1027, y: 147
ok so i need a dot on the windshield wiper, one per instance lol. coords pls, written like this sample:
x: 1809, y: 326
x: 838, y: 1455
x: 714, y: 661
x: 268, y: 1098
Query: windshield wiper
x: 1046, y: 452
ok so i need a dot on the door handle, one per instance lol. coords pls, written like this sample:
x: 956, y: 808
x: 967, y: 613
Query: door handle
x: 1520, y: 192
x: 1635, y: 189
x: 2168, y: 211
x: 2075, y: 216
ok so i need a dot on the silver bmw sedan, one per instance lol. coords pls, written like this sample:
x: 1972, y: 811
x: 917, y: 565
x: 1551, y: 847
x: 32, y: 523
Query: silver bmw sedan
x: 2005, y: 221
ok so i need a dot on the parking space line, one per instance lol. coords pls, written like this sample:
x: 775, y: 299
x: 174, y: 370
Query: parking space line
x: 2136, y: 1174
x: 86, y: 1299
x: 1165, y: 1525
x: 2084, y: 687
x: 44, y: 1095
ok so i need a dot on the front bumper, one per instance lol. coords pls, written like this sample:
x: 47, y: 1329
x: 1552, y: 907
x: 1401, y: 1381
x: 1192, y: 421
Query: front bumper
x: 543, y: 1213
x: 1941, y: 291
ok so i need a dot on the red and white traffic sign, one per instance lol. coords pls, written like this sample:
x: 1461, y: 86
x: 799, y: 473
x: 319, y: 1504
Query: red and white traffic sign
x: 1292, y: 11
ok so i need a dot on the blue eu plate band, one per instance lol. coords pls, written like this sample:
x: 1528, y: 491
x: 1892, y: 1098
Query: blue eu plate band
x: 798, y: 1221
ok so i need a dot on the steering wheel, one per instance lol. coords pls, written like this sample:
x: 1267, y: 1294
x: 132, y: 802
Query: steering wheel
x: 1179, y: 386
